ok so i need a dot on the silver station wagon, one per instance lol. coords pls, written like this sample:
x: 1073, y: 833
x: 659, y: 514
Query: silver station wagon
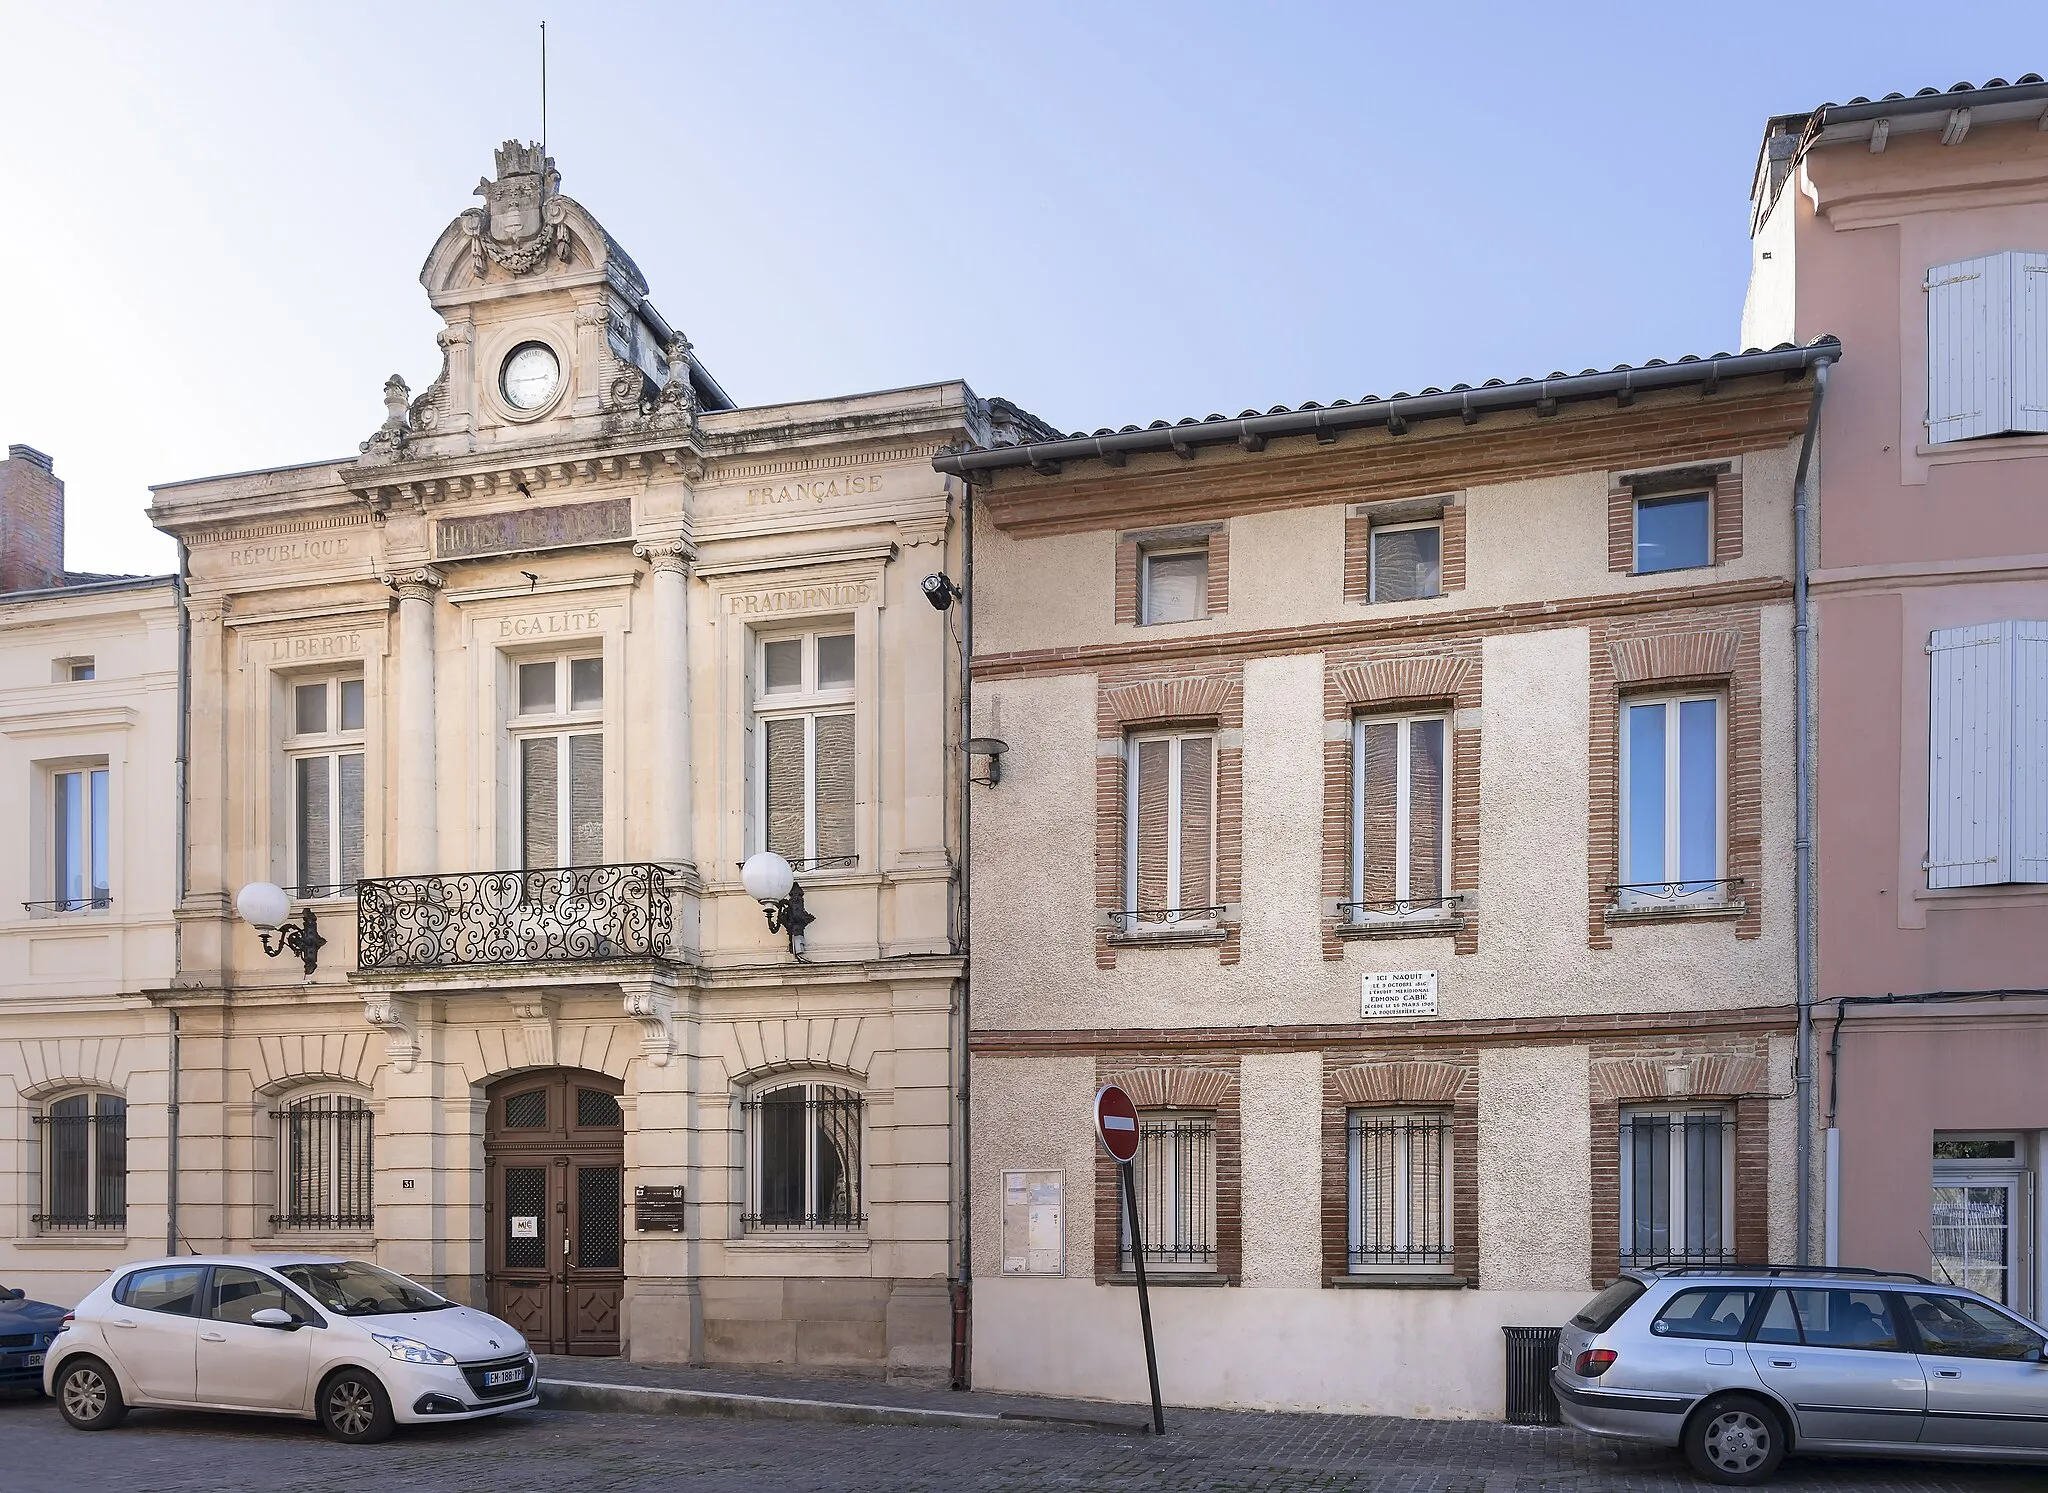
x: 1740, y: 1365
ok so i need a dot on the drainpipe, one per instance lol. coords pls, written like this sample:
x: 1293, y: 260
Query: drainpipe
x: 1802, y: 734
x: 183, y: 881
x: 963, y: 1290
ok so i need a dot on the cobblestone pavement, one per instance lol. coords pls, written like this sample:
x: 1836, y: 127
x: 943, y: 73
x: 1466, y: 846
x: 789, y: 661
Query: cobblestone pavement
x: 1212, y: 1451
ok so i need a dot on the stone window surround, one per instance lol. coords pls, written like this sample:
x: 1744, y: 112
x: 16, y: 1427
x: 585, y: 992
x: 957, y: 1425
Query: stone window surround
x: 1207, y: 1085
x: 44, y: 829
x: 268, y: 1130
x: 1720, y: 650
x: 1443, y: 1079
x: 1732, y: 1072
x: 1720, y: 480
x: 1360, y: 519
x: 36, y: 1160
x: 1391, y: 678
x: 1136, y: 697
x: 1131, y: 545
x: 735, y: 638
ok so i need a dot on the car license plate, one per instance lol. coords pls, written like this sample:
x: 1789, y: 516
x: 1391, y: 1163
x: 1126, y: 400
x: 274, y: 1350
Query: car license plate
x: 497, y: 1377
x: 33, y: 1361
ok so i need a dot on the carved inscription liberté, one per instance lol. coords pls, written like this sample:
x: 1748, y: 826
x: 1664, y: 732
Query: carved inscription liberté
x: 522, y: 529
x: 314, y: 648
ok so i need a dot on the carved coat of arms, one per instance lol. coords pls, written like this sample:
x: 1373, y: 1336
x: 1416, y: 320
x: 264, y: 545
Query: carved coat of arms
x: 522, y: 220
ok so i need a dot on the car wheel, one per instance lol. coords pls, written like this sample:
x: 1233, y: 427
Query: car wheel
x: 1735, y: 1439
x: 89, y: 1397
x: 354, y: 1407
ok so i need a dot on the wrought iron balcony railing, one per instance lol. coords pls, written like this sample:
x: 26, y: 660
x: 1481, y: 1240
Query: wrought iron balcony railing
x: 567, y: 914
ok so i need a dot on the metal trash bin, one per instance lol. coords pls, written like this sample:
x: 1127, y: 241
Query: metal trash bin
x: 1531, y: 1353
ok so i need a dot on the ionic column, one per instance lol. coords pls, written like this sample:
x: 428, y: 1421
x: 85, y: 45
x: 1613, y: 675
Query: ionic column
x: 671, y: 838
x: 418, y: 812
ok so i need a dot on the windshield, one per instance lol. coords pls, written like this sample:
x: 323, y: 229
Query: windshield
x: 353, y: 1289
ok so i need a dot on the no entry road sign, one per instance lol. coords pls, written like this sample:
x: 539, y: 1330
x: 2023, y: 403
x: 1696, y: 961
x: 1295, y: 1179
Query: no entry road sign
x: 1116, y: 1122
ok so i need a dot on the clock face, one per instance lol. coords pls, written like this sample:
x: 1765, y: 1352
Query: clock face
x: 530, y: 376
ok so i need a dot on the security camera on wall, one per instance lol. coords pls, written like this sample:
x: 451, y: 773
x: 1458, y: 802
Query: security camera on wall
x: 940, y: 591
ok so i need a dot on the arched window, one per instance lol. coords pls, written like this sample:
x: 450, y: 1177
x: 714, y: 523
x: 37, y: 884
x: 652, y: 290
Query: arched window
x: 85, y: 1163
x: 804, y: 1148
x: 324, y: 1145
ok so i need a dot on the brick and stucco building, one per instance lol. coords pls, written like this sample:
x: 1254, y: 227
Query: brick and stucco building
x: 1397, y: 801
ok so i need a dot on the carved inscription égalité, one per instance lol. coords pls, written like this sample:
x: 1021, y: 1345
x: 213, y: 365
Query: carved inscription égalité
x: 533, y: 529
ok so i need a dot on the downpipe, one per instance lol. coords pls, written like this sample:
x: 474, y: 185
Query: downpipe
x: 963, y: 1278
x: 1802, y: 730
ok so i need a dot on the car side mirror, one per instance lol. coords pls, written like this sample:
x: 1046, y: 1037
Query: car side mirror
x: 17, y: 1294
x: 271, y: 1316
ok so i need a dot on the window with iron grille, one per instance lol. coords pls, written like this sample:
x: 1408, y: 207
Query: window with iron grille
x: 1399, y: 1166
x: 85, y: 1164
x: 1175, y: 1177
x: 1170, y: 830
x: 324, y: 752
x: 325, y: 1146
x: 804, y: 770
x: 558, y: 733
x: 1677, y: 1185
x: 804, y: 1145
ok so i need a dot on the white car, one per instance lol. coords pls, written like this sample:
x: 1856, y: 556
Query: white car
x: 351, y: 1345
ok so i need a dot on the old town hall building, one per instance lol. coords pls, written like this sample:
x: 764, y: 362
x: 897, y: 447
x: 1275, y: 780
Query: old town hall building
x: 504, y: 701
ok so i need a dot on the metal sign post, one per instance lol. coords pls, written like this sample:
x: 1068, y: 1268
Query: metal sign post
x: 1116, y: 1126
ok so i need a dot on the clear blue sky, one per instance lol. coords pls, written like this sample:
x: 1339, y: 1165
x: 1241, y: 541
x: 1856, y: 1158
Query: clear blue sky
x: 1109, y: 213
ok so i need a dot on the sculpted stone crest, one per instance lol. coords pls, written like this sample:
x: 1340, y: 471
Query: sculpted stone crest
x: 522, y: 220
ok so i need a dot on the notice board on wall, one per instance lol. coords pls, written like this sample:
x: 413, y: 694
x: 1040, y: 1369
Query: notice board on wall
x: 1034, y: 1223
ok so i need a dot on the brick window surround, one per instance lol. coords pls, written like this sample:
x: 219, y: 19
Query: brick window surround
x: 1720, y: 480
x: 1176, y: 1083
x: 1137, y: 697
x: 1718, y: 649
x: 1360, y: 519
x: 1446, y: 1079
x: 1390, y: 678
x: 1734, y: 1072
x: 1130, y: 546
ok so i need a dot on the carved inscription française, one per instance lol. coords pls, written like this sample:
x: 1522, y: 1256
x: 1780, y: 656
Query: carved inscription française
x: 534, y: 529
x: 858, y: 485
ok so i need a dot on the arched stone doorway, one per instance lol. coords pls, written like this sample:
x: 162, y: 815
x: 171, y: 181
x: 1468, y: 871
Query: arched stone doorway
x: 554, y: 1167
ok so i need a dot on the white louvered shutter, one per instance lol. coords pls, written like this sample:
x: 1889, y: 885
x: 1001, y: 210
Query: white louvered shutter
x: 539, y: 803
x: 2030, y: 749
x: 833, y: 773
x: 2029, y: 342
x: 1969, y: 768
x: 351, y: 826
x: 1969, y: 348
x: 586, y: 799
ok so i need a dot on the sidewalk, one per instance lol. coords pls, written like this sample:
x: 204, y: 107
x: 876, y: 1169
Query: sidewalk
x: 611, y: 1384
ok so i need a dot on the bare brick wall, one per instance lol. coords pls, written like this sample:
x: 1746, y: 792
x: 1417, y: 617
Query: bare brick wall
x: 1170, y: 693
x: 1718, y: 648
x: 1390, y: 678
x: 31, y: 521
x: 1157, y: 1082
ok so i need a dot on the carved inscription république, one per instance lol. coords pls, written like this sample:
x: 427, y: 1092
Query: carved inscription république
x: 289, y: 552
x: 859, y: 485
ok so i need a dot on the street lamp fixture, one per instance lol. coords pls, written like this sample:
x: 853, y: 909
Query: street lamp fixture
x: 991, y: 747
x: 265, y: 907
x: 771, y: 881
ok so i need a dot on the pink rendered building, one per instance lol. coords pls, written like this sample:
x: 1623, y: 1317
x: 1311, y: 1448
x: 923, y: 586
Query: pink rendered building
x: 1916, y: 229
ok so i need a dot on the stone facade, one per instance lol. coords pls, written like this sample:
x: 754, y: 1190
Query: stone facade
x: 89, y: 755
x: 1566, y: 998
x: 575, y: 507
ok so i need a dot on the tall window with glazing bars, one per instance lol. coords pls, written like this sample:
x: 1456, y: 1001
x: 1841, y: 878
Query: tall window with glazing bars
x: 804, y: 1141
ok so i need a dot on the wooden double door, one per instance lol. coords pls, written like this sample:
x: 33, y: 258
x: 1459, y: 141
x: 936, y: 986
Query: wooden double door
x: 554, y: 1164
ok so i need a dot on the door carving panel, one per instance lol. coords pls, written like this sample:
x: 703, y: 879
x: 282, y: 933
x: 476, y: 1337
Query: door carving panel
x: 554, y: 1156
